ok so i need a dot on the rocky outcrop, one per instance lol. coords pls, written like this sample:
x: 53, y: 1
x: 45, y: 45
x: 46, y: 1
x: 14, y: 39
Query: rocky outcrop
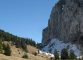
x: 65, y: 22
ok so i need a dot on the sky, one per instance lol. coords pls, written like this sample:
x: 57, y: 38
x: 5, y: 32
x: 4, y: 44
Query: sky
x: 25, y: 18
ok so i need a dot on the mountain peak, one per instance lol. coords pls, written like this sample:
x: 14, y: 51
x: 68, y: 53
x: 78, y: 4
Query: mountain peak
x: 66, y: 25
x: 65, y: 22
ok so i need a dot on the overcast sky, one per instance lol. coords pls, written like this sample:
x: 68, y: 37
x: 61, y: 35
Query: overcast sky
x: 25, y: 18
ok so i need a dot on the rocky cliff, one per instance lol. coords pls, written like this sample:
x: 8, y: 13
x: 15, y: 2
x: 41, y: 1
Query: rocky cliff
x: 65, y: 22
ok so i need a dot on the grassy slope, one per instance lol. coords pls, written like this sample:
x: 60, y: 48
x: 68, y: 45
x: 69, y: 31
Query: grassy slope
x: 17, y: 53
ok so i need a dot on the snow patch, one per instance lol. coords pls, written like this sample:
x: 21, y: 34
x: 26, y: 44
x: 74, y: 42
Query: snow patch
x: 59, y: 45
x: 48, y: 54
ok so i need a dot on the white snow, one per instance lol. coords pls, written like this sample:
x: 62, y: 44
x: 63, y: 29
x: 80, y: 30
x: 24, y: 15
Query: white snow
x: 48, y: 54
x: 59, y: 45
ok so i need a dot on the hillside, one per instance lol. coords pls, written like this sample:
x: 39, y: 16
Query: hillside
x: 19, y: 42
x: 17, y: 53
x: 19, y: 46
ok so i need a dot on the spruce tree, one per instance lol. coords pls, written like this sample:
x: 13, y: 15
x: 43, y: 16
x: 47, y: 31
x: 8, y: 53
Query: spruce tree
x: 7, y: 50
x: 56, y: 55
x: 24, y: 46
x: 1, y: 46
x: 72, y: 55
x: 18, y: 44
x: 4, y: 47
x: 64, y: 54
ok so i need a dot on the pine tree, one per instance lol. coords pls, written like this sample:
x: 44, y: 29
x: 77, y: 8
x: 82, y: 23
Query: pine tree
x: 64, y: 54
x: 18, y: 44
x: 24, y: 46
x: 7, y: 50
x: 72, y: 55
x: 56, y: 55
x: 1, y: 46
x: 4, y: 47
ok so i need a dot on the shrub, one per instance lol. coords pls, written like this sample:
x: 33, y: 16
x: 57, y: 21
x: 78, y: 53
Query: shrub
x: 25, y: 56
x: 19, y: 52
x: 35, y: 53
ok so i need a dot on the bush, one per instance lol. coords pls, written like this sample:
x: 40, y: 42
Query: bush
x: 35, y: 53
x: 25, y: 56
x: 19, y: 53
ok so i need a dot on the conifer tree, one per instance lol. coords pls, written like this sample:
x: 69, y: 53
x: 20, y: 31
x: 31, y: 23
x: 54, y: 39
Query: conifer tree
x: 56, y: 55
x: 1, y: 46
x: 7, y: 50
x: 4, y: 47
x: 18, y: 44
x: 64, y: 54
x: 72, y: 55
x: 24, y: 46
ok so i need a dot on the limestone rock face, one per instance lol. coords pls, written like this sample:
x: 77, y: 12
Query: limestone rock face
x: 65, y: 22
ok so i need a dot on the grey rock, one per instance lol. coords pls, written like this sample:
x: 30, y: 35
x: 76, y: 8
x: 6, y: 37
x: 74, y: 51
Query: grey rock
x: 65, y: 22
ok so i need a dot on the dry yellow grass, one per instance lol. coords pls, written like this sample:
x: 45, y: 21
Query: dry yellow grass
x: 31, y: 49
x: 32, y: 57
x: 3, y: 57
x: 17, y: 54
